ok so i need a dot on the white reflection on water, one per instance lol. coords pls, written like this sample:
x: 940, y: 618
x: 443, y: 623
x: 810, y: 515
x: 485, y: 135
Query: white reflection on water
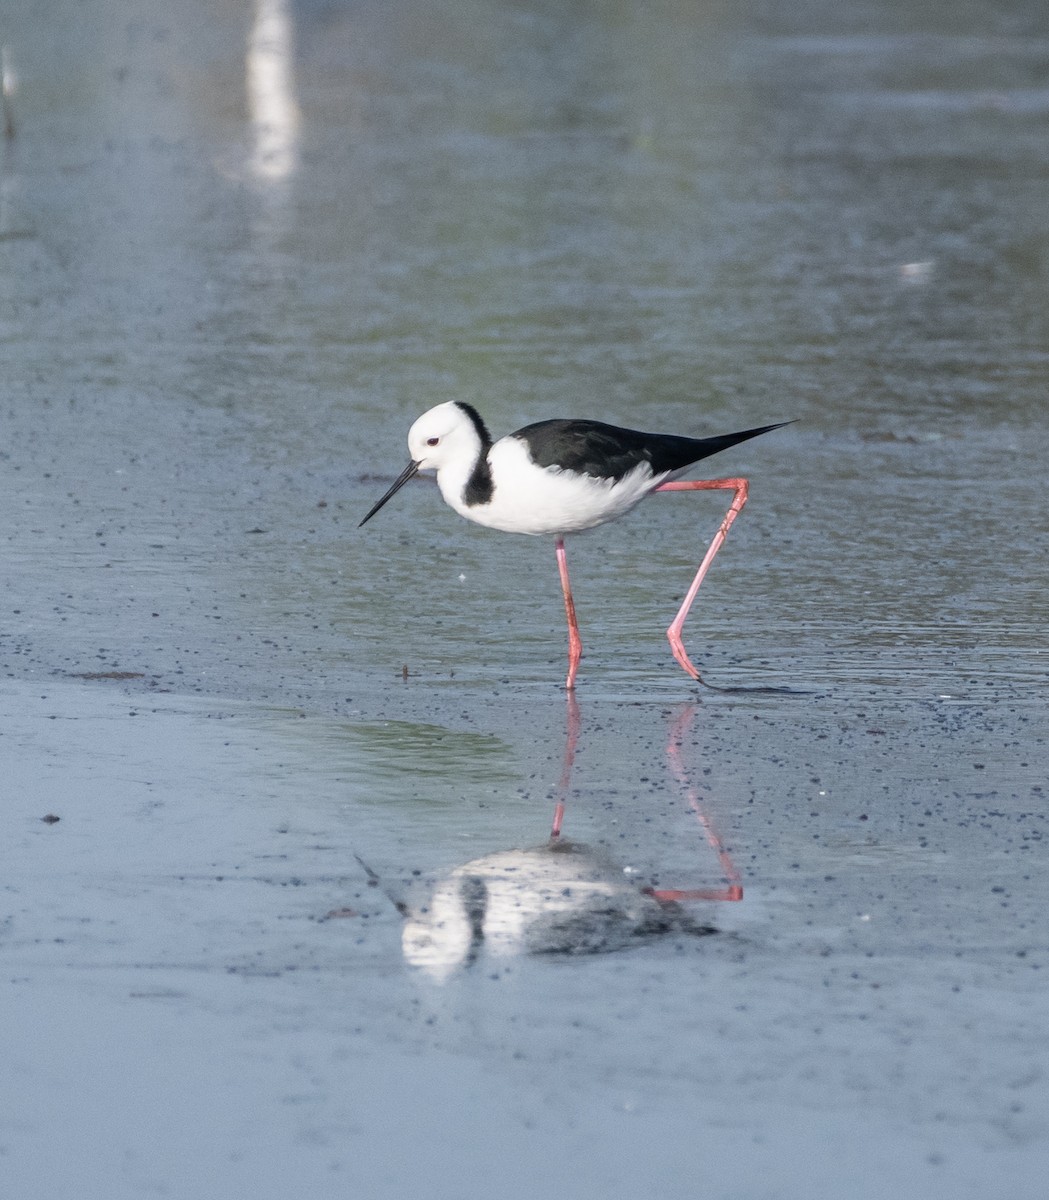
x: 8, y: 87
x: 272, y: 103
x: 560, y: 898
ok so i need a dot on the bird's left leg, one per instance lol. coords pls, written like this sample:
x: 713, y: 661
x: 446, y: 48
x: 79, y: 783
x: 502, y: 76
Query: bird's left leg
x: 575, y: 643
x: 739, y: 486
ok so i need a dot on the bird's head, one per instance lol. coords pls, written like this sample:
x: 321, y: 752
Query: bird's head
x: 451, y: 432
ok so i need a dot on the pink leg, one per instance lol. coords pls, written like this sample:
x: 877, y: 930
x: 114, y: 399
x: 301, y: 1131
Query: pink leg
x: 575, y: 643
x: 739, y: 486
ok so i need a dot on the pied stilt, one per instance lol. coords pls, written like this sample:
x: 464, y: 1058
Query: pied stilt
x: 564, y: 476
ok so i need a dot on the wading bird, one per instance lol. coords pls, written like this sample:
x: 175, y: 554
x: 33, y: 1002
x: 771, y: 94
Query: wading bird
x: 560, y: 477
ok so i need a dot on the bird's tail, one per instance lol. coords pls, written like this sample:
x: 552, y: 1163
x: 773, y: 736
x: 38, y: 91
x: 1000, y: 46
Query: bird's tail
x: 714, y: 445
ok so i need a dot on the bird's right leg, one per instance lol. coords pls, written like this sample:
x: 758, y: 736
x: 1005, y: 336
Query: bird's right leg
x: 575, y: 643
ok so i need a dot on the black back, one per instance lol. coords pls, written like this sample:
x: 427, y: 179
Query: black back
x: 606, y: 451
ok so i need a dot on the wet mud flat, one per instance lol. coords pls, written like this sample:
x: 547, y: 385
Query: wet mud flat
x: 216, y: 973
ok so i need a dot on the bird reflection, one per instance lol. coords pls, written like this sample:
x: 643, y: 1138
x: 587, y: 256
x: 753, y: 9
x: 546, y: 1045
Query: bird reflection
x: 558, y: 898
x: 561, y: 897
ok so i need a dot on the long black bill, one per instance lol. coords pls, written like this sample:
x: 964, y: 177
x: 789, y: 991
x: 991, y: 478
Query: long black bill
x: 409, y: 472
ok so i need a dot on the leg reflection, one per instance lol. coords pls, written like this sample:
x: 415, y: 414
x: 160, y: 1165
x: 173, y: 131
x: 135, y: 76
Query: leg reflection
x: 732, y: 888
x: 571, y: 742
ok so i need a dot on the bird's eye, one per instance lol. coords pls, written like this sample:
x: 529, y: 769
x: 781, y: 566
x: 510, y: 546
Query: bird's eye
x: 432, y: 441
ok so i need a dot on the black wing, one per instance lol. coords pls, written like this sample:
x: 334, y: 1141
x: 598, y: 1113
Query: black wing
x: 606, y: 451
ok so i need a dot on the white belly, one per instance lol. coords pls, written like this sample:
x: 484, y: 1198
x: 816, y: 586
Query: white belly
x: 545, y: 500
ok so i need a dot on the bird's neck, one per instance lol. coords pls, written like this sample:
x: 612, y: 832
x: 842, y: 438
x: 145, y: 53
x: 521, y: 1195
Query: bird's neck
x: 467, y: 484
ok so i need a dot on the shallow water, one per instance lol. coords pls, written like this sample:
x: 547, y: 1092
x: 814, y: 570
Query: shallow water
x: 240, y: 250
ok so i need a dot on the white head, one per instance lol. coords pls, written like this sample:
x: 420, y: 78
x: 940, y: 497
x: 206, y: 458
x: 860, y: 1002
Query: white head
x: 451, y: 432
